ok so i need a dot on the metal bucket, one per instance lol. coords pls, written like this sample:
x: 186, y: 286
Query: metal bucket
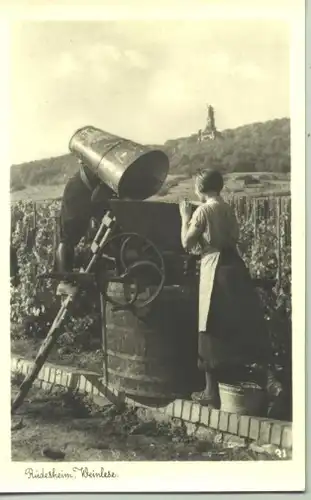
x: 131, y: 170
x: 242, y: 399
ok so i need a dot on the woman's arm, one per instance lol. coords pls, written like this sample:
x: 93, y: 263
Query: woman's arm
x: 190, y: 234
x: 191, y: 227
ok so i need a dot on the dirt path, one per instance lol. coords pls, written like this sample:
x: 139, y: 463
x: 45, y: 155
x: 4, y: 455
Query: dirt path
x: 66, y: 423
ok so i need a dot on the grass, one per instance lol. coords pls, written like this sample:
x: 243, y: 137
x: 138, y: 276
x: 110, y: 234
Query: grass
x: 66, y: 422
x: 179, y: 186
x: 38, y: 193
x: 270, y: 184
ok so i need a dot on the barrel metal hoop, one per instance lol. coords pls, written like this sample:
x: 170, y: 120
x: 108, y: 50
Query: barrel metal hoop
x: 136, y: 357
x: 142, y: 378
x: 106, y: 152
x: 154, y: 396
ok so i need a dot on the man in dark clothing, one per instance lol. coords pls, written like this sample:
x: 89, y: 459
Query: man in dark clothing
x: 85, y: 196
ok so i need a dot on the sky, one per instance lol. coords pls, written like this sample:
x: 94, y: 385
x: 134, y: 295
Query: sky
x: 146, y: 81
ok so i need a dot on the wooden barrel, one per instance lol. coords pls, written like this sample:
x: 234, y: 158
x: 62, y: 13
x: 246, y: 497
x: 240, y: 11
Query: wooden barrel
x: 153, y: 354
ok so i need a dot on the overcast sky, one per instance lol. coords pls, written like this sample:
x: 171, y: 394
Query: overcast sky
x: 147, y: 81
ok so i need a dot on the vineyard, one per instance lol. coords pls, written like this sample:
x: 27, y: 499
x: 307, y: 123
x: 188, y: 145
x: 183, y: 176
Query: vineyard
x: 265, y: 244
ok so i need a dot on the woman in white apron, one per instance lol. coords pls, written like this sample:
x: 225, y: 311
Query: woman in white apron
x: 232, y: 331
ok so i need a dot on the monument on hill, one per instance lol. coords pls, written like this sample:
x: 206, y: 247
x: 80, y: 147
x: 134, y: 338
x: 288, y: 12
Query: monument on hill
x: 210, y: 132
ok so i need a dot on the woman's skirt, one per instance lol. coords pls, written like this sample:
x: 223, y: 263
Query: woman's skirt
x: 236, y: 333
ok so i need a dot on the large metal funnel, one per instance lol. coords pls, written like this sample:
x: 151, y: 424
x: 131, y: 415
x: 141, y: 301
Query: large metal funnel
x: 131, y: 170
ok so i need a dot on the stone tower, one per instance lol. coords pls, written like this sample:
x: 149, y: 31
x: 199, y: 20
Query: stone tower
x: 210, y: 132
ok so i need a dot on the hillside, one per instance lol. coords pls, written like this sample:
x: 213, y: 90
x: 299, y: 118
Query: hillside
x: 51, y: 171
x: 258, y: 147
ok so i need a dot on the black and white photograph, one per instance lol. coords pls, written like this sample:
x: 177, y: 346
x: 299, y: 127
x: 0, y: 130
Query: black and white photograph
x: 151, y: 207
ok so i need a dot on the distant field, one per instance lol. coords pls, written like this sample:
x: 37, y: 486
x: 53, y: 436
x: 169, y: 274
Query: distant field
x: 177, y: 187
x: 36, y: 193
x: 269, y: 184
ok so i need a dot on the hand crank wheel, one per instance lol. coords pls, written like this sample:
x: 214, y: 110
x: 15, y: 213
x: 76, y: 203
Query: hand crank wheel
x: 145, y: 251
x: 137, y: 254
